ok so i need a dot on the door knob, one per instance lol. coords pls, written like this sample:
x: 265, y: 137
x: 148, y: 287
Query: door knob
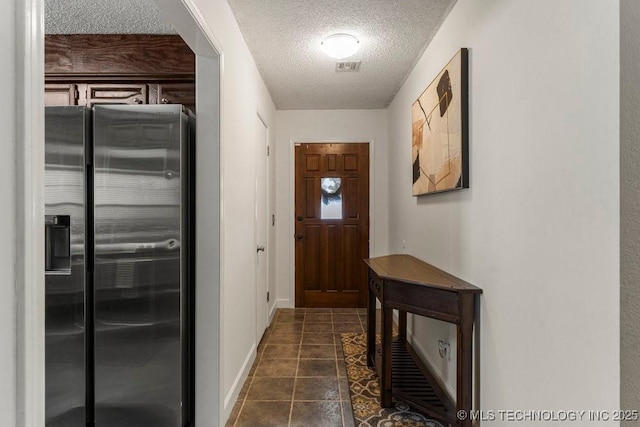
x: 299, y: 236
x: 260, y: 249
x: 299, y: 218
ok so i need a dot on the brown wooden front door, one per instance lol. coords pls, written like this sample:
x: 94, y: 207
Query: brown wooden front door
x: 331, y: 224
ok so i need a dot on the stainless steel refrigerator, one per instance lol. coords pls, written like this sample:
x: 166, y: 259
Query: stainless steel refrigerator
x: 119, y: 252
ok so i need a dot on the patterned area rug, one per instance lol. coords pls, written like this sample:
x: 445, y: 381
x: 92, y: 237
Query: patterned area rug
x: 365, y: 391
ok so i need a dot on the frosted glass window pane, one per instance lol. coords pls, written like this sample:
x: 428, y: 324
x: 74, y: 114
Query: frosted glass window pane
x: 331, y: 203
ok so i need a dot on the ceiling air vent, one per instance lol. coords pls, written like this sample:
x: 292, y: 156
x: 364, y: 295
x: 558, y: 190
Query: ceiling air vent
x: 347, y: 66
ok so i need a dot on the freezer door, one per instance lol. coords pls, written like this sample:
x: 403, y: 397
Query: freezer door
x: 65, y: 133
x: 137, y: 285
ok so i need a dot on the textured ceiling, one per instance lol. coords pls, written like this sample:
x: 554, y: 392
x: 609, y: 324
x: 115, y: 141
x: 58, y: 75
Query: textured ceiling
x: 104, y: 17
x: 284, y: 38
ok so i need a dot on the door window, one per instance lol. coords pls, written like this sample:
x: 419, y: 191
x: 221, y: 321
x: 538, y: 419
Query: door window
x: 331, y: 195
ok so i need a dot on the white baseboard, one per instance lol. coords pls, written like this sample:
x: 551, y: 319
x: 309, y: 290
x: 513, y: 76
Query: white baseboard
x: 232, y: 396
x: 273, y: 310
x: 284, y: 303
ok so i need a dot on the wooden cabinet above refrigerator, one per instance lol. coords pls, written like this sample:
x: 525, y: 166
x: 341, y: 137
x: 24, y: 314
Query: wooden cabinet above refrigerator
x: 91, y: 69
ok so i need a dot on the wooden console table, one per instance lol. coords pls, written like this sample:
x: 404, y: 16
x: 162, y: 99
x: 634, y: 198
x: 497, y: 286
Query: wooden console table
x: 408, y: 284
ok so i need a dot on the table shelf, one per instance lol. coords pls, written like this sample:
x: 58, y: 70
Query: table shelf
x: 414, y: 384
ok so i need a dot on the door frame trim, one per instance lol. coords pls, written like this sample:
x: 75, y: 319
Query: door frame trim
x: 292, y: 200
x: 267, y: 128
x: 29, y: 213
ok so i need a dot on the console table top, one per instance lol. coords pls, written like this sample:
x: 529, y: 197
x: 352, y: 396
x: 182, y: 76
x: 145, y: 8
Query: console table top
x: 406, y: 268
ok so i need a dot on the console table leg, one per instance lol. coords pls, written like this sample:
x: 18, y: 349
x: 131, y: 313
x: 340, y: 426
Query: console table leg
x: 465, y: 357
x: 402, y: 325
x: 385, y: 374
x: 371, y: 329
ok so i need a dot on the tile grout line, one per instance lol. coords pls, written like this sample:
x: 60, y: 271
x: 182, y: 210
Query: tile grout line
x: 295, y: 377
x: 335, y: 352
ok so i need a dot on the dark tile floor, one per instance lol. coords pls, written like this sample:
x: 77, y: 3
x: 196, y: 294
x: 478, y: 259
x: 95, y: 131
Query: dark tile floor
x: 299, y: 377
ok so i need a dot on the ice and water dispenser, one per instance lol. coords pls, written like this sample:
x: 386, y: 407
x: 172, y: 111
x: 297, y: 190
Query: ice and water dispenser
x: 57, y: 244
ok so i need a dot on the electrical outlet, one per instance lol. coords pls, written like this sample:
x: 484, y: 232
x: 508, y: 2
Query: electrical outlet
x: 444, y: 349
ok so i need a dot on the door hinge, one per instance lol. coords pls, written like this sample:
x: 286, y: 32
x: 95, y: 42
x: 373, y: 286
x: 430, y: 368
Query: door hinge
x: 267, y: 296
x: 267, y: 151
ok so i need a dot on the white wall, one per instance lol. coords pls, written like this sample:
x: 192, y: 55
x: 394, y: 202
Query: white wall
x: 630, y: 204
x: 326, y: 125
x: 538, y: 229
x: 7, y: 214
x: 243, y: 95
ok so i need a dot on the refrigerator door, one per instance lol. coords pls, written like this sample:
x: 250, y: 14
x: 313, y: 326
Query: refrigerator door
x: 138, y: 256
x: 65, y: 336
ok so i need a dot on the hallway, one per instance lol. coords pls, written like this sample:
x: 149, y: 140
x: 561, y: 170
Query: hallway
x: 299, y: 376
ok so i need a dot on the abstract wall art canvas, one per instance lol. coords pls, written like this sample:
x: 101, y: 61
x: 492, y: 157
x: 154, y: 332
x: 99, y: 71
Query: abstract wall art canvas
x: 440, y: 135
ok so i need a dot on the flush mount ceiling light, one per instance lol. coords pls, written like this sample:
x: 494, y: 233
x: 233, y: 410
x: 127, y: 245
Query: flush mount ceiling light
x: 340, y: 46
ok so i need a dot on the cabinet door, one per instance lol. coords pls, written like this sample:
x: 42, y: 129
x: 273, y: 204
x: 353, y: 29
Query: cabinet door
x: 114, y: 93
x: 177, y: 93
x: 60, y: 94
